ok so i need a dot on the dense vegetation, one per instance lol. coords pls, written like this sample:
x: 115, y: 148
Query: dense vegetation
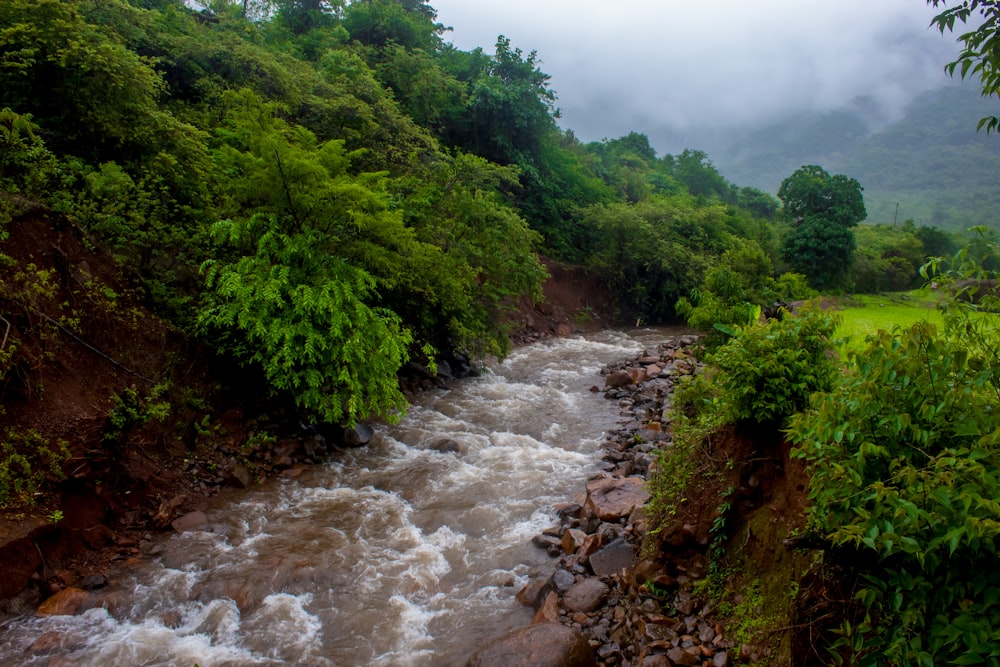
x: 326, y: 191
x: 323, y: 191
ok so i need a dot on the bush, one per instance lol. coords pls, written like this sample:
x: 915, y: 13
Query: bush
x: 905, y: 479
x: 768, y: 371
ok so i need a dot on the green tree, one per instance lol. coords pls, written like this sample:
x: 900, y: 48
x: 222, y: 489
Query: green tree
x: 822, y: 209
x: 295, y: 290
x: 980, y: 55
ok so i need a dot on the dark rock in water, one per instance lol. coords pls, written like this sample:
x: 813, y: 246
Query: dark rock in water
x: 446, y: 446
x: 93, y: 582
x: 540, y: 645
x: 314, y: 446
x: 359, y: 436
x: 64, y: 603
x: 190, y: 521
x: 612, y: 559
x: 546, y: 542
x: 587, y: 595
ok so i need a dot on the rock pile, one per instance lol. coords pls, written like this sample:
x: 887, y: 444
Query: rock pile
x: 632, y: 612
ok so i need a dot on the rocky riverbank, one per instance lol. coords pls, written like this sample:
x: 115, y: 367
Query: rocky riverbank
x: 604, y: 603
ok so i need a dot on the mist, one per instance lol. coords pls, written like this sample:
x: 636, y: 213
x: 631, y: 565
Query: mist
x: 699, y: 75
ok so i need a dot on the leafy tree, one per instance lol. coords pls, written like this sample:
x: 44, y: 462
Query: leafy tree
x: 303, y: 16
x: 695, y: 170
x: 383, y: 22
x: 654, y: 252
x: 980, y: 55
x: 811, y: 191
x: 822, y: 210
x: 887, y: 258
x: 310, y: 244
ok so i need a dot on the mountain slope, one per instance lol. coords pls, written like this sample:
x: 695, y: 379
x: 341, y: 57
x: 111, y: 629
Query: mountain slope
x: 932, y: 161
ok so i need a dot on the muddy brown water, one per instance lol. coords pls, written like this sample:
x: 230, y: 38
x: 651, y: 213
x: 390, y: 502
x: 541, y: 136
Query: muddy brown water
x: 395, y: 554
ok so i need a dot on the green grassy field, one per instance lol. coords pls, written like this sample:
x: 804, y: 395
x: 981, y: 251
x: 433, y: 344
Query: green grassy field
x: 865, y: 314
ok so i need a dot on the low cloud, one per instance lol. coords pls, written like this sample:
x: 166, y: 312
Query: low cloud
x: 681, y: 70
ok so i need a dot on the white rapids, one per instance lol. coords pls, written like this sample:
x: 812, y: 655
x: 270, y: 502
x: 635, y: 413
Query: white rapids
x: 392, y: 555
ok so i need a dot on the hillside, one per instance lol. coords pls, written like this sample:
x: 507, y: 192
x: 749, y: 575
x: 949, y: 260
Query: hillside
x: 931, y: 161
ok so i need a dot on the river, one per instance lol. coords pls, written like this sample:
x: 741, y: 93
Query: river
x: 391, y: 555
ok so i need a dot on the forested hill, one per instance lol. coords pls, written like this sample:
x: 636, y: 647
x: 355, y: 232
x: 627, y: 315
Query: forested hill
x: 931, y: 161
x: 329, y: 190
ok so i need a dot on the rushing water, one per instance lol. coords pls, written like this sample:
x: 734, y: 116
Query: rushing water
x: 395, y: 554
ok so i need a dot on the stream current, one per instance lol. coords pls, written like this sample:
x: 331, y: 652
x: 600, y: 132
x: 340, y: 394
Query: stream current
x: 391, y: 555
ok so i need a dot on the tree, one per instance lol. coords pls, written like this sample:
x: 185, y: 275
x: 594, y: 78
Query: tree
x: 980, y: 55
x: 822, y: 210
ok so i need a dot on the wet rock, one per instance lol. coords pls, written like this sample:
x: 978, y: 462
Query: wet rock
x: 612, y: 559
x: 64, y: 603
x: 535, y: 592
x: 612, y: 498
x: 293, y: 472
x: 568, y: 510
x: 682, y: 658
x: 446, y: 446
x: 190, y: 521
x: 238, y: 476
x: 618, y: 379
x: 586, y: 595
x: 359, y: 436
x: 47, y: 643
x: 549, y: 611
x: 546, y: 541
x: 540, y: 645
x: 572, y: 540
x: 563, y: 580
x: 94, y: 582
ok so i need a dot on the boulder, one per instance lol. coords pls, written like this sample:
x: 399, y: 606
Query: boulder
x: 359, y: 436
x: 612, y: 559
x: 612, y: 498
x: 446, y: 446
x: 190, y: 521
x: 586, y: 595
x: 238, y: 476
x: 539, y: 645
x: 535, y: 592
x: 549, y: 611
x: 64, y: 603
x: 618, y: 379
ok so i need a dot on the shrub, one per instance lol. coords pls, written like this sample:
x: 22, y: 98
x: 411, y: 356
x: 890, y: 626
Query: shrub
x: 768, y: 371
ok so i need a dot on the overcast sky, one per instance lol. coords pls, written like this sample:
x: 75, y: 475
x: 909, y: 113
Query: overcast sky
x: 676, y: 69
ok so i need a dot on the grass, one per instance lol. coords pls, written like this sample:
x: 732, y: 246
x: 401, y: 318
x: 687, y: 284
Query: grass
x: 865, y: 314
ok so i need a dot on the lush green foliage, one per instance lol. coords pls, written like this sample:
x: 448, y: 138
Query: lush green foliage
x: 980, y: 56
x: 27, y: 461
x: 904, y: 458
x: 768, y: 371
x: 328, y: 189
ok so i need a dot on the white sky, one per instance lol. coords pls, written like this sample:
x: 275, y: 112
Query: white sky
x: 680, y: 70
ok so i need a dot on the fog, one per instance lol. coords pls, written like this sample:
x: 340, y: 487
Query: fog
x: 699, y: 74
